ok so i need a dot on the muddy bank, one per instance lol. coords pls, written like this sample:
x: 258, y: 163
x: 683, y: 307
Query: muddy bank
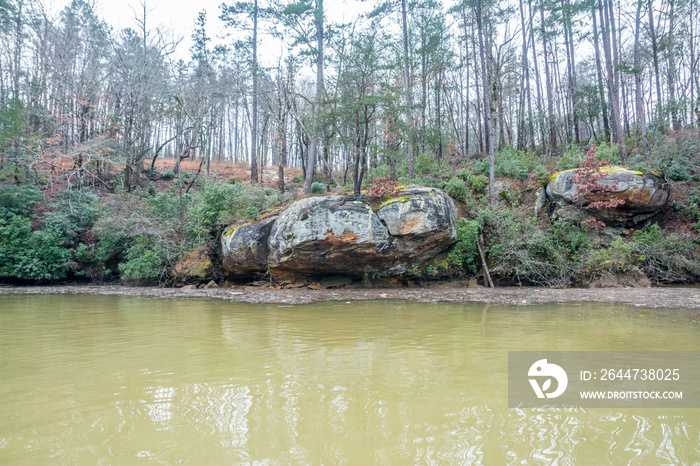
x: 670, y: 297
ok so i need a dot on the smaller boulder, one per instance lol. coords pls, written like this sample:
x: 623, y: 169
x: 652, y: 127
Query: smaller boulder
x: 195, y: 266
x: 422, y: 222
x: 642, y: 195
x: 244, y: 248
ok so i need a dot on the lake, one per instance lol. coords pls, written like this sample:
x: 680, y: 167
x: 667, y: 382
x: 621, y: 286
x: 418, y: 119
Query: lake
x: 129, y: 380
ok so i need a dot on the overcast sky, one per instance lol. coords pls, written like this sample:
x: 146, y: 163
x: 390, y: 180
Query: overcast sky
x: 178, y: 16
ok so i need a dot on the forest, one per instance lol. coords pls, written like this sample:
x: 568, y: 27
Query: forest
x: 452, y: 95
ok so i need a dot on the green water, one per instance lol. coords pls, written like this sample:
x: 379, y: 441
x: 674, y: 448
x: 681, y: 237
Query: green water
x: 123, y: 380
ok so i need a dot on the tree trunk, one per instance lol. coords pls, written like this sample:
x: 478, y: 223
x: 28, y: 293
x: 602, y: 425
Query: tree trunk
x: 618, y: 135
x: 487, y: 104
x: 641, y: 122
x: 571, y: 58
x: 526, y: 72
x: 407, y: 87
x: 599, y: 73
x: 315, y: 136
x: 538, y: 81
x: 254, y: 123
x: 550, y: 97
x: 675, y: 121
x: 655, y: 56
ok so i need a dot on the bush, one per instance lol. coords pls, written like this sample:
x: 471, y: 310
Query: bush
x: 251, y: 212
x: 125, y: 228
x: 425, y: 164
x: 570, y: 159
x: 664, y: 257
x: 511, y: 163
x: 457, y: 188
x: 616, y: 257
x: 677, y: 171
x: 477, y: 183
x: 73, y: 211
x: 168, y: 175
x: 19, y: 199
x: 318, y: 188
x: 218, y: 204
x: 609, y: 153
x: 520, y: 250
x: 465, y: 255
x: 144, y: 260
x: 32, y: 255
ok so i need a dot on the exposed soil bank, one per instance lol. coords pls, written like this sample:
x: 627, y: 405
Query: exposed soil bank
x: 670, y: 297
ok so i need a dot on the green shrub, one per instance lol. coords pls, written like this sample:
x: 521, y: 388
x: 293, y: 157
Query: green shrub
x: 457, y: 188
x: 425, y: 164
x: 73, y: 211
x: 616, y: 257
x: 318, y: 188
x: 677, y: 171
x: 476, y: 183
x: 465, y: 255
x: 608, y: 152
x: 572, y: 158
x: 666, y: 257
x: 520, y: 250
x: 32, y: 255
x: 126, y: 221
x: 144, y: 260
x: 251, y: 212
x: 19, y: 199
x: 218, y: 204
x: 168, y: 175
x: 511, y: 163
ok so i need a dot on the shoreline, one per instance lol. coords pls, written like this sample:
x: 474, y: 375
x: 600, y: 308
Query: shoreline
x: 655, y: 297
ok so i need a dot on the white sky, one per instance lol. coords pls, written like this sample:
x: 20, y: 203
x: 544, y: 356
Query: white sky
x: 178, y: 16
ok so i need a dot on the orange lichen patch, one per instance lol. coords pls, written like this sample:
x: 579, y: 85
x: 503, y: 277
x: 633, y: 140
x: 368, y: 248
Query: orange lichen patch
x: 348, y: 236
x: 412, y: 223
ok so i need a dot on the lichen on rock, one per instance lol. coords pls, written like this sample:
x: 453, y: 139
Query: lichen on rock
x: 244, y: 248
x: 641, y: 195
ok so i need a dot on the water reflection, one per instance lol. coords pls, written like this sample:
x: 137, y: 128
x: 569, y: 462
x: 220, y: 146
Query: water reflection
x: 146, y: 380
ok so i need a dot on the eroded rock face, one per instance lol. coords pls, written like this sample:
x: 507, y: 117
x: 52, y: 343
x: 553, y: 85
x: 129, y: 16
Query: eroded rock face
x: 244, y: 249
x: 422, y: 222
x: 342, y: 236
x: 328, y: 235
x: 644, y: 194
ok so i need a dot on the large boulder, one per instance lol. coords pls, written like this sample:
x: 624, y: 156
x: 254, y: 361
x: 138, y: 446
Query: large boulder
x: 644, y: 194
x: 344, y: 236
x: 328, y: 235
x: 422, y: 222
x: 244, y: 248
